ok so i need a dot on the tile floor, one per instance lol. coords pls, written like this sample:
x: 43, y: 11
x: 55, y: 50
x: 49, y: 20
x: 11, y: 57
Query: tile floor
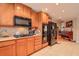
x: 63, y: 48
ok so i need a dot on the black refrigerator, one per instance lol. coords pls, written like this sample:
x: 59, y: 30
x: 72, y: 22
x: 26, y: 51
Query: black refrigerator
x: 49, y: 33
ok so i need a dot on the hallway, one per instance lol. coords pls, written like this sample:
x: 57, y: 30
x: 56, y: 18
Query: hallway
x: 63, y: 48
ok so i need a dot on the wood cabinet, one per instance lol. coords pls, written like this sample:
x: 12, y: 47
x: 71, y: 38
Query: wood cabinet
x: 21, y: 47
x: 7, y: 48
x: 30, y: 45
x: 44, y: 17
x: 19, y: 9
x: 27, y: 11
x: 8, y: 11
x: 38, y: 43
x: 22, y: 10
x: 35, y: 20
x: 45, y: 44
x: 6, y: 14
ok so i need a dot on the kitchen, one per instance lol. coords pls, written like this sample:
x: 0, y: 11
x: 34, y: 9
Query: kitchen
x: 23, y: 30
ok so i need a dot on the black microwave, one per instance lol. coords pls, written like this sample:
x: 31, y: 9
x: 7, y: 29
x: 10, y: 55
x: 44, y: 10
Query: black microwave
x: 21, y: 21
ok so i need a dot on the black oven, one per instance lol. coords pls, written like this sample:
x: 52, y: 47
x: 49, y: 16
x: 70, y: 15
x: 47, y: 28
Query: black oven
x: 21, y: 21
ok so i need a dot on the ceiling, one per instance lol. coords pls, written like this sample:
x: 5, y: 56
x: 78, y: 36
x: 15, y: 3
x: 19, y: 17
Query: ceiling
x: 61, y: 11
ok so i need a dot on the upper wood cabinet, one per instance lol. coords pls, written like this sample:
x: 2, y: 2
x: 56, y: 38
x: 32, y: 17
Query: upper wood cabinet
x: 9, y: 10
x: 6, y: 14
x: 27, y: 12
x: 34, y: 18
x: 22, y: 10
x: 44, y: 17
x: 19, y: 9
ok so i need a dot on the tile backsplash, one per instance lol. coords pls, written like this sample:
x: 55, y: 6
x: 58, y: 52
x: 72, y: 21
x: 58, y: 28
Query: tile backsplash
x: 10, y: 31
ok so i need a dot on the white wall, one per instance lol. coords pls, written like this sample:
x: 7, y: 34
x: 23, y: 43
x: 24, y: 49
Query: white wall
x: 76, y: 30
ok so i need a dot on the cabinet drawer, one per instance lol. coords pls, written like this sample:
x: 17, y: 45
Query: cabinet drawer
x: 5, y: 43
x: 29, y: 51
x: 38, y: 43
x: 45, y: 44
x: 38, y: 47
x: 38, y: 39
x: 21, y: 40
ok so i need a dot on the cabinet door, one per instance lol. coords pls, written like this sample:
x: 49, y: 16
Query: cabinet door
x: 8, y: 50
x: 30, y: 46
x: 34, y: 19
x: 6, y: 14
x: 27, y: 12
x: 44, y: 18
x: 38, y: 43
x: 19, y: 9
x: 21, y: 47
x: 45, y: 44
x: 37, y: 47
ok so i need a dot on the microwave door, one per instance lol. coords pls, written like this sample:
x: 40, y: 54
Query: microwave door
x: 19, y: 21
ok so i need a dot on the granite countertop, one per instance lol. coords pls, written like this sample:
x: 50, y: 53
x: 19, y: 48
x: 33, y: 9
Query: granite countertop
x: 13, y: 38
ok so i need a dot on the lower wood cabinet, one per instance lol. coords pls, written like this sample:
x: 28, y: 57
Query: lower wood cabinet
x: 30, y: 45
x: 38, y: 43
x: 45, y: 44
x: 21, y: 47
x: 37, y: 47
x: 35, y: 20
x: 8, y: 49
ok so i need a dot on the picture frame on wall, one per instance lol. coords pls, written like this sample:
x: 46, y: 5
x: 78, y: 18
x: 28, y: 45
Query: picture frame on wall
x: 69, y: 24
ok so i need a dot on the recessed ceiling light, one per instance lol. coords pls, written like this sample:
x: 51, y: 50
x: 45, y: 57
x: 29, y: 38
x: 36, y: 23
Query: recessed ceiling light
x: 18, y: 7
x: 59, y: 17
x: 52, y: 18
x: 42, y: 9
x: 57, y: 3
x: 46, y: 9
x: 62, y: 10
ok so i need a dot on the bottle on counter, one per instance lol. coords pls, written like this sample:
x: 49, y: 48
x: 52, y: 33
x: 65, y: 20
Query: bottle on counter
x: 17, y: 34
